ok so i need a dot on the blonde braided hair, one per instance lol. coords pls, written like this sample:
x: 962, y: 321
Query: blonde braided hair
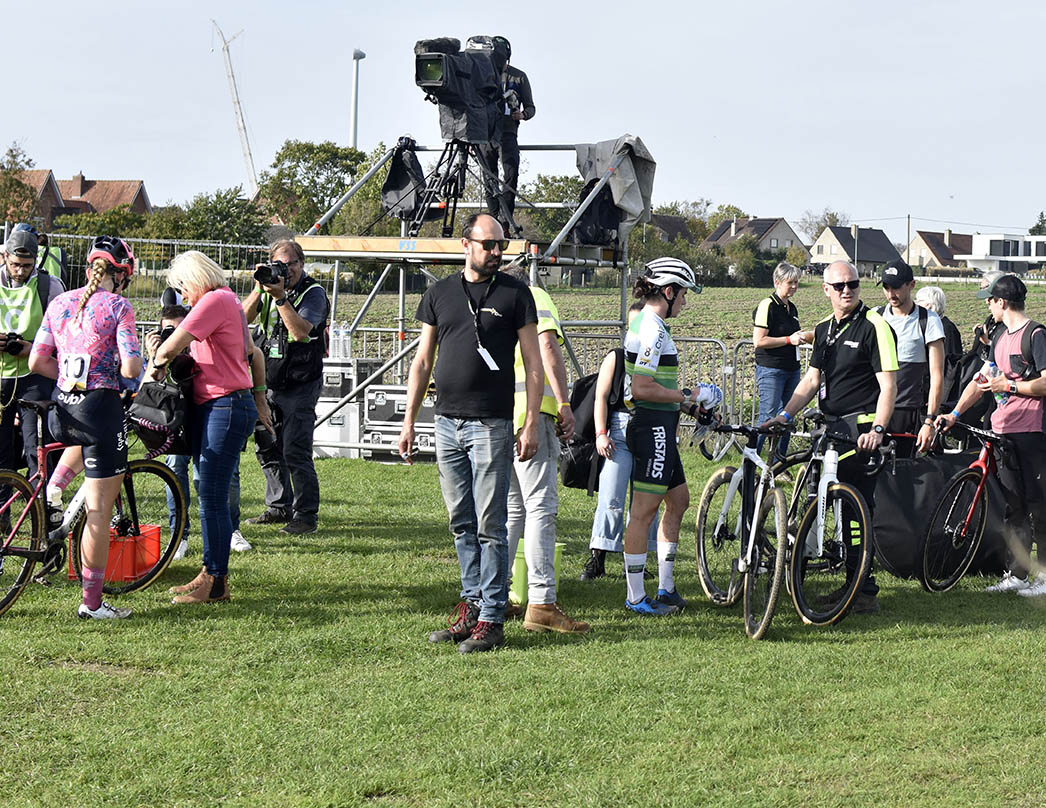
x: 99, y: 268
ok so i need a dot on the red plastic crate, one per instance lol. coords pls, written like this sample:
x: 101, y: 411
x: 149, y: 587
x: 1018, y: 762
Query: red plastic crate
x: 129, y: 556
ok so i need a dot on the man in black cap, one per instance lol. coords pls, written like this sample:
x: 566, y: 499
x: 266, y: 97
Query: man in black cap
x: 1019, y: 353
x: 920, y: 359
x: 24, y: 295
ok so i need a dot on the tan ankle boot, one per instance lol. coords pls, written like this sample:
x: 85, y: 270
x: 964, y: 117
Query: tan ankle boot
x: 214, y: 588
x: 189, y: 587
x: 549, y: 617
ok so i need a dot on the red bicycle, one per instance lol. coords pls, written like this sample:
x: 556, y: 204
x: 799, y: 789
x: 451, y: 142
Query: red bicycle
x: 957, y: 524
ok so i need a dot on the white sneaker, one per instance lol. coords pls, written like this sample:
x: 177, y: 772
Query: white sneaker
x: 103, y: 612
x: 1036, y: 589
x: 1009, y: 583
x: 182, y: 551
x: 239, y: 543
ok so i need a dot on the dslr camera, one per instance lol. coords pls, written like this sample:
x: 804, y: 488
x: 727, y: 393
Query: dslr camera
x: 164, y: 333
x: 273, y: 273
x: 13, y: 345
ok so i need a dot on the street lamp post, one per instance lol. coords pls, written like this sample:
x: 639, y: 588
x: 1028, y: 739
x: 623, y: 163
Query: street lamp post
x: 357, y: 55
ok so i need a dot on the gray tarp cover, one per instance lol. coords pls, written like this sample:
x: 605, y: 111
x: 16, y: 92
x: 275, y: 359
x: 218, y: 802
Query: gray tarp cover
x: 632, y: 183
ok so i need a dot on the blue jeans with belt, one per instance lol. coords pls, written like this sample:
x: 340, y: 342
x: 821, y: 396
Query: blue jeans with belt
x: 775, y: 387
x: 220, y: 428
x: 474, y: 457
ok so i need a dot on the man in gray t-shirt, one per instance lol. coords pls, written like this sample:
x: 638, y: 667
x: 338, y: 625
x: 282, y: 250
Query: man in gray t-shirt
x: 920, y: 359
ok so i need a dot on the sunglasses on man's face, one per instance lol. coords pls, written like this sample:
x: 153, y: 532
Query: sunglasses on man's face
x: 489, y: 244
x: 856, y: 284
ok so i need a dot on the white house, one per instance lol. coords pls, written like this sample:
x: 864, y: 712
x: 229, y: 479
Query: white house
x: 1005, y: 252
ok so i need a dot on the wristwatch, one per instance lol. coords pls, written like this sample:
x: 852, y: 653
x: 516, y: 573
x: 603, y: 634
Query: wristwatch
x: 1013, y: 388
x: 281, y: 301
x: 879, y: 429
x: 687, y: 393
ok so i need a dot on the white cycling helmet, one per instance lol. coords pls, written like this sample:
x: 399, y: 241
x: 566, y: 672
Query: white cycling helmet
x: 670, y: 271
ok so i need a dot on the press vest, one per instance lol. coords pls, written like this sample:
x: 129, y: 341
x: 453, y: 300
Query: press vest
x: 548, y: 320
x: 21, y: 313
x: 289, y: 363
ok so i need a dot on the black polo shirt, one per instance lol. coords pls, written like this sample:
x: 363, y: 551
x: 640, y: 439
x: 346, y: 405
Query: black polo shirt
x: 849, y: 354
x: 780, y: 319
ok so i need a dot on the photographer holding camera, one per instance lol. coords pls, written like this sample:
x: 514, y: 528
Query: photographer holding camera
x: 24, y: 295
x: 292, y: 310
x: 519, y: 106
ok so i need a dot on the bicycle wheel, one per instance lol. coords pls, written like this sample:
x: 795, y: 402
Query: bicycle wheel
x: 954, y: 532
x: 21, y: 531
x: 144, y: 532
x: 718, y: 543
x: 825, y: 583
x: 763, y: 577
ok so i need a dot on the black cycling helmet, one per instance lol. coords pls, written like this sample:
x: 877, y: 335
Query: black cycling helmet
x: 114, y: 250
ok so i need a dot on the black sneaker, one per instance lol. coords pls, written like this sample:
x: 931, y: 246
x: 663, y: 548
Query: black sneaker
x: 595, y: 567
x: 296, y: 528
x: 461, y: 621
x: 271, y: 516
x: 865, y: 604
x: 485, y: 637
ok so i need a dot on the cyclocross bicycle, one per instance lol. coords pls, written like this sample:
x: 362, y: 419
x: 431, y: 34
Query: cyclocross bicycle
x: 143, y: 535
x: 957, y: 524
x: 736, y: 503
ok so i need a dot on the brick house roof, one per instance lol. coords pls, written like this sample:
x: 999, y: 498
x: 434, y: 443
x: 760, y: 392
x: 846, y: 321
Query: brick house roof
x: 102, y: 195
x: 961, y: 244
x: 757, y: 228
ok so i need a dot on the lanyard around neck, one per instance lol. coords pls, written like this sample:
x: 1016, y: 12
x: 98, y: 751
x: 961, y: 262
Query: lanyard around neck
x: 477, y: 309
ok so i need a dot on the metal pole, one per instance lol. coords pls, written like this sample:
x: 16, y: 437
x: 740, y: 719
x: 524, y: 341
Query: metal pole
x: 370, y: 299
x: 326, y: 217
x: 401, y: 318
x: 584, y: 205
x: 357, y: 55
x: 334, y: 291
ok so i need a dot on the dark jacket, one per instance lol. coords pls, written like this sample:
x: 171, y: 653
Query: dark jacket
x: 517, y: 80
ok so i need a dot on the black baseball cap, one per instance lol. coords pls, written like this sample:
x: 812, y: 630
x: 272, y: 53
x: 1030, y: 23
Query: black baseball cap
x: 896, y: 273
x: 22, y: 243
x: 1005, y: 287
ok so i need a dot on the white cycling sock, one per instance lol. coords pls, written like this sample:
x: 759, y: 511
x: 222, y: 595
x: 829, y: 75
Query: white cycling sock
x: 666, y: 560
x: 634, y: 566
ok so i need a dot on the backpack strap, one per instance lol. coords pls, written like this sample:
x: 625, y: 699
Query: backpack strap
x: 43, y: 288
x: 923, y: 317
x: 1029, y: 360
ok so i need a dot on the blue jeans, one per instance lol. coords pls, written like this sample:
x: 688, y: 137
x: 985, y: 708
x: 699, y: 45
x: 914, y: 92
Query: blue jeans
x: 775, y: 388
x: 474, y: 456
x: 219, y: 429
x: 608, y: 524
x: 179, y: 464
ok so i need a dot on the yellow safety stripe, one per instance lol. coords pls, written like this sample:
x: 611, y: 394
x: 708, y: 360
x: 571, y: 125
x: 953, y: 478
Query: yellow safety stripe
x: 884, y: 337
x: 762, y: 313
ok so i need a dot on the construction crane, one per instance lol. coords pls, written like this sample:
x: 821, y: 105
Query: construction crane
x: 252, y: 178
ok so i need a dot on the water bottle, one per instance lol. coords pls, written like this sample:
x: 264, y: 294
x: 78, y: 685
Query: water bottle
x: 990, y: 371
x: 335, y: 346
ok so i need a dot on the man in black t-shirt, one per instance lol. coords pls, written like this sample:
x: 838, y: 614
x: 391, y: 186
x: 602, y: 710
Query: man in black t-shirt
x: 476, y: 317
x: 853, y: 371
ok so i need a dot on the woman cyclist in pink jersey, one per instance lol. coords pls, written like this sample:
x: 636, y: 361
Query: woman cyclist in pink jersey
x: 87, y: 341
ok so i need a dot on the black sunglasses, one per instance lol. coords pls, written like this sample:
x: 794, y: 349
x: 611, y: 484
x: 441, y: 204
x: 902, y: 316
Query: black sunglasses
x: 488, y: 244
x: 845, y: 285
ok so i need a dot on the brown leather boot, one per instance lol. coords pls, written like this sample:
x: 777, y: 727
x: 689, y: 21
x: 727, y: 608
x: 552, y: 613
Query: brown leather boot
x: 189, y: 587
x: 214, y: 588
x: 549, y: 617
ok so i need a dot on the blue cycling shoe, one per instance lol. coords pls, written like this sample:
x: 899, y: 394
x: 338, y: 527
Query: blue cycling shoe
x: 672, y: 598
x: 650, y: 607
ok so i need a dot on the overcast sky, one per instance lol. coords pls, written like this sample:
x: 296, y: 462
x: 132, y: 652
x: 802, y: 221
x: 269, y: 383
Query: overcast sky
x: 878, y: 110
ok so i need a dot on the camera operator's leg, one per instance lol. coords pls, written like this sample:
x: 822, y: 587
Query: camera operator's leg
x: 488, y: 154
x: 299, y: 415
x: 510, y: 165
x: 269, y: 451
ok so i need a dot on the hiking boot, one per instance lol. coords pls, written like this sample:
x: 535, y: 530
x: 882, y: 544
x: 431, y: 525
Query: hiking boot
x: 485, y: 637
x: 1009, y: 583
x: 271, y: 516
x: 103, y: 612
x: 595, y: 567
x: 213, y: 589
x: 865, y: 604
x: 201, y: 576
x: 549, y: 617
x: 461, y: 623
x: 296, y: 528
x: 650, y: 607
x: 672, y: 598
x: 513, y: 611
x: 238, y: 544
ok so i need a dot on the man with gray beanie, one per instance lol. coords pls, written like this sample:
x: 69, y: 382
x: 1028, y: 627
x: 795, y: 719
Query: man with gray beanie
x: 24, y: 295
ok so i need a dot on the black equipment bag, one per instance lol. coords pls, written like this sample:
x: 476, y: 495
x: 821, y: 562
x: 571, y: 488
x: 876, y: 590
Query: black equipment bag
x: 599, y: 223
x: 579, y: 461
x: 580, y: 464
x: 905, y: 501
x: 160, y: 411
x: 404, y: 185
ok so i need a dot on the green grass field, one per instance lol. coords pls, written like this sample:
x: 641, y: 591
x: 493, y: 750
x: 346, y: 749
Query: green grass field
x: 316, y: 686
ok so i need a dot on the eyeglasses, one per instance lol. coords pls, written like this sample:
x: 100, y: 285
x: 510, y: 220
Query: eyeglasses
x: 856, y: 284
x: 488, y: 244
